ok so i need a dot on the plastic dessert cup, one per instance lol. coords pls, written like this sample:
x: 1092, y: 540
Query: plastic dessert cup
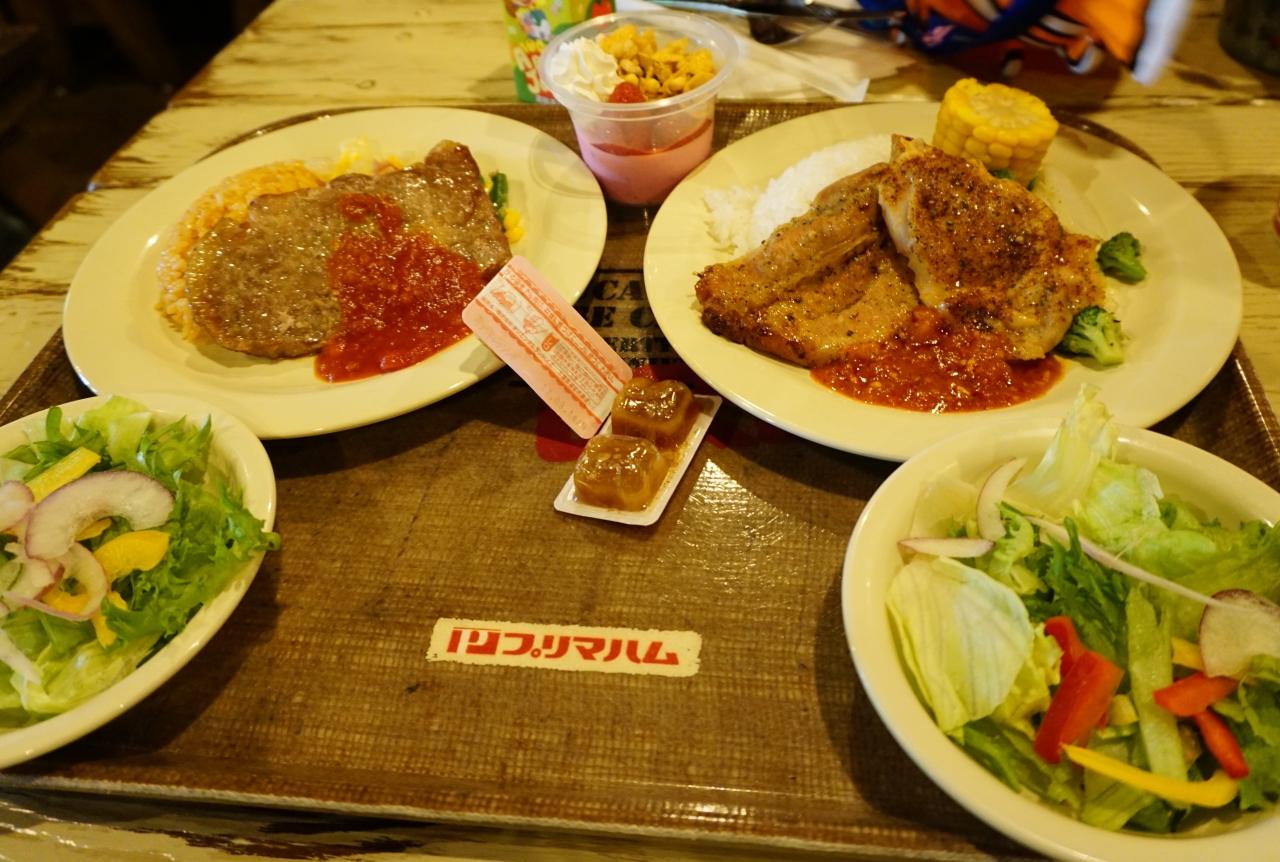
x: 640, y: 151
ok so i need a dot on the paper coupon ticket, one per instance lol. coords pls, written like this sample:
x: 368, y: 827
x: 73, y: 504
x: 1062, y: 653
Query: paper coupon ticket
x: 536, y: 331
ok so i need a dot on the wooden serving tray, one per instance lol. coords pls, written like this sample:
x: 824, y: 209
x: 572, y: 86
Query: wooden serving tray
x: 318, y: 693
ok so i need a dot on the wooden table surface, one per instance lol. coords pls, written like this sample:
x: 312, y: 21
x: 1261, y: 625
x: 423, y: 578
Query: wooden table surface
x: 1209, y: 122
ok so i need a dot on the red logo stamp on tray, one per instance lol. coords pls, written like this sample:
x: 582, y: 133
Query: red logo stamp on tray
x: 578, y: 648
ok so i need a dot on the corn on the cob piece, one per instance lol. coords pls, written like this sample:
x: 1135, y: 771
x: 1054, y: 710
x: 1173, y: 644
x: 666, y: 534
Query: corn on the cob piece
x: 1003, y: 127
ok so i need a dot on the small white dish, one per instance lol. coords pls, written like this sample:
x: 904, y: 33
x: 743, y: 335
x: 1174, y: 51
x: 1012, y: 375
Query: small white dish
x: 567, y: 500
x: 1218, y: 488
x: 240, y: 454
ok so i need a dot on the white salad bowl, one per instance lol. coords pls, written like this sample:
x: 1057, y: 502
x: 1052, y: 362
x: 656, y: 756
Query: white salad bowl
x: 236, y: 451
x: 1214, y: 486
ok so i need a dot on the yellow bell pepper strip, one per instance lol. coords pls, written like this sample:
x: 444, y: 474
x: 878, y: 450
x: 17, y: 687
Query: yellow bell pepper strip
x: 1187, y: 654
x: 97, y: 528
x: 59, y: 599
x: 139, y: 550
x: 1213, y: 793
x: 106, y: 636
x: 1121, y: 711
x: 69, y: 468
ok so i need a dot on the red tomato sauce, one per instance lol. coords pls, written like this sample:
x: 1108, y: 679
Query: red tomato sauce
x: 936, y: 365
x: 401, y: 293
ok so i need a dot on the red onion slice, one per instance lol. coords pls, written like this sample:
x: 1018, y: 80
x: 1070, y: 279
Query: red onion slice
x: 16, y: 501
x: 35, y: 576
x: 949, y: 547
x: 990, y: 524
x: 56, y: 520
x: 79, y: 564
x: 1111, y: 561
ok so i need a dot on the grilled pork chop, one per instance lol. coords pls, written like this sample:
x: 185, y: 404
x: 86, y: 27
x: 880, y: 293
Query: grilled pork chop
x: 261, y: 287
x: 986, y: 250
x: 822, y: 282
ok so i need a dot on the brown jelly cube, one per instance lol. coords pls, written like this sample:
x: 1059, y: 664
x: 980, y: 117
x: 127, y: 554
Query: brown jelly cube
x: 657, y: 410
x: 619, y: 472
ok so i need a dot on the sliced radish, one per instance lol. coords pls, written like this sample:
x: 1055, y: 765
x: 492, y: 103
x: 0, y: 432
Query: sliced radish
x: 55, y: 521
x: 990, y: 524
x: 79, y: 564
x: 16, y: 500
x: 34, y: 575
x: 1111, y: 561
x: 1231, y: 634
x: 951, y: 547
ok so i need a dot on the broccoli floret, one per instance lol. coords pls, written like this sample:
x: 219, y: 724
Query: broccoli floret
x: 1002, y: 174
x: 1119, y: 255
x: 1095, y: 332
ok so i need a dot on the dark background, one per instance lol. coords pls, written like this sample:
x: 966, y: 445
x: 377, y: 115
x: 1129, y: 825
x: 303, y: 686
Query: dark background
x: 78, y: 78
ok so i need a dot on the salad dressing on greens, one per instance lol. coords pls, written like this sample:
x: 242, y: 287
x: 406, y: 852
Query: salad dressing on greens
x: 1071, y: 679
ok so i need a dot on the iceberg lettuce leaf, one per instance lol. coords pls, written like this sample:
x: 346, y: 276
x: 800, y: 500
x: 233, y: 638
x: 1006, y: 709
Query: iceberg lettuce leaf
x: 1030, y: 695
x: 965, y: 637
x: 1064, y: 472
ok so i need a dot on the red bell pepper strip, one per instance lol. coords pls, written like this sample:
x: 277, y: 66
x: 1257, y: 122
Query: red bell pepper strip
x: 1063, y: 630
x: 1194, y: 693
x: 1078, y: 705
x: 1221, y: 743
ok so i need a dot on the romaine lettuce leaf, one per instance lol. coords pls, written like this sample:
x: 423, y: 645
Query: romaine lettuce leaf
x: 1109, y: 804
x: 1247, y: 559
x: 1259, y: 733
x: 1008, y: 755
x: 1151, y: 668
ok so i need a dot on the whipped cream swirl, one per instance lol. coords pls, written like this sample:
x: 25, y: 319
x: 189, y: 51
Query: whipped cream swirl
x: 586, y: 70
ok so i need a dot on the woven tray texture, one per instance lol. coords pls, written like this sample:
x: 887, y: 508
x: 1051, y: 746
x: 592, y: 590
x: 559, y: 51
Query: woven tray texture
x: 317, y: 692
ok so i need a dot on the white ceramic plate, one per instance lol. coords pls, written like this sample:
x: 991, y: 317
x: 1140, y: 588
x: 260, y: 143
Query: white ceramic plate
x: 1182, y: 320
x: 872, y: 559
x: 116, y: 339
x: 240, y: 454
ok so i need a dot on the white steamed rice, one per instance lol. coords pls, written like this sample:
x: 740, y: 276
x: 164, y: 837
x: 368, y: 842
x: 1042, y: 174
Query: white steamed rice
x: 742, y: 217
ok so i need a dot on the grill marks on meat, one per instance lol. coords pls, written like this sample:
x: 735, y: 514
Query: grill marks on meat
x: 261, y: 287
x: 824, y: 281
x: 986, y: 250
